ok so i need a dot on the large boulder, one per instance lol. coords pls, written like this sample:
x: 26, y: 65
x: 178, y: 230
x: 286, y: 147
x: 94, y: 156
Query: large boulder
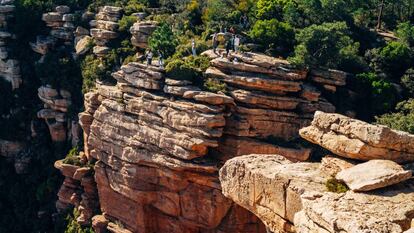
x: 292, y: 197
x: 373, y: 174
x: 356, y: 139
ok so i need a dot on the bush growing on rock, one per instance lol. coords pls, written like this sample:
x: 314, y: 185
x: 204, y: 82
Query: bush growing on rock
x: 333, y: 185
x: 189, y: 68
x: 163, y: 40
x: 215, y: 85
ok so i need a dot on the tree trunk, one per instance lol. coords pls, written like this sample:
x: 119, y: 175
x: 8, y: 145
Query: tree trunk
x: 380, y: 15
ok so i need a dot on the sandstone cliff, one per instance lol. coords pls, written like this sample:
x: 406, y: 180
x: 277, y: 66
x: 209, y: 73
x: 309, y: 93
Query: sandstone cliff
x: 158, y: 141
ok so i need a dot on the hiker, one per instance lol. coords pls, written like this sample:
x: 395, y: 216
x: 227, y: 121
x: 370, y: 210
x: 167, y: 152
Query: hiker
x: 149, y: 56
x: 193, y: 48
x: 236, y: 43
x: 161, y: 60
x: 215, y: 42
x: 244, y: 21
x: 228, y: 47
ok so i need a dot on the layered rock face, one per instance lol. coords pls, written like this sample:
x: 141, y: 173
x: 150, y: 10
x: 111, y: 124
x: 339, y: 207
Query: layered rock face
x: 78, y: 190
x: 104, y: 28
x: 292, y: 197
x: 9, y: 68
x: 153, y: 173
x: 141, y: 31
x: 273, y: 101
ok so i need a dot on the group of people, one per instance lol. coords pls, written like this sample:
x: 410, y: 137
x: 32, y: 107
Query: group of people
x: 149, y: 56
x: 231, y: 44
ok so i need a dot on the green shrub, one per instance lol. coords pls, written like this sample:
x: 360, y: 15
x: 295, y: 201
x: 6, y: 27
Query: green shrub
x: 72, y: 157
x: 402, y: 119
x: 273, y: 34
x: 270, y: 9
x: 393, y: 59
x: 126, y: 22
x: 73, y: 226
x: 336, y: 186
x: 405, y: 31
x: 215, y: 85
x: 407, y: 81
x: 328, y: 45
x: 163, y: 40
x: 383, y: 95
x: 189, y: 68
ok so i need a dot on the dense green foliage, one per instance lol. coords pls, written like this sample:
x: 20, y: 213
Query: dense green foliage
x: 402, y: 119
x: 278, y: 36
x: 163, y: 41
x: 328, y: 45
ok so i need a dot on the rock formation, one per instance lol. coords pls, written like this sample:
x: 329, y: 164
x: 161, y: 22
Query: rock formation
x: 355, y: 139
x: 292, y: 197
x: 273, y: 101
x: 78, y: 190
x: 158, y: 141
x: 9, y: 68
x: 57, y: 102
x: 104, y: 28
x: 141, y: 31
x: 301, y: 197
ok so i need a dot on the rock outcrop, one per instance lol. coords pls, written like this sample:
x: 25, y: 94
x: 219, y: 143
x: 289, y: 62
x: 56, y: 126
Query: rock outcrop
x: 359, y: 140
x: 141, y: 31
x: 273, y: 101
x: 104, y: 28
x: 57, y: 102
x: 159, y: 140
x: 152, y: 172
x: 9, y: 68
x: 78, y: 190
x: 292, y: 197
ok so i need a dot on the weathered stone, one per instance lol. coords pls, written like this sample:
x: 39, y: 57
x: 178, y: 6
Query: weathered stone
x: 373, y: 174
x: 255, y: 81
x: 282, y: 193
x: 355, y: 139
x: 333, y: 165
x: 63, y: 9
x: 141, y: 31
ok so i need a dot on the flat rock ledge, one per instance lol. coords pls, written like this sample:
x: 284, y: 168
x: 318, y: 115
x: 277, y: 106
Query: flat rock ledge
x: 292, y: 197
x: 355, y: 139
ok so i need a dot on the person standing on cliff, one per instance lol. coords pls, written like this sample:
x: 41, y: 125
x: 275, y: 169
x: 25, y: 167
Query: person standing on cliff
x: 236, y: 43
x: 193, y: 48
x: 149, y: 56
x: 229, y: 45
x: 215, y: 42
x: 161, y: 60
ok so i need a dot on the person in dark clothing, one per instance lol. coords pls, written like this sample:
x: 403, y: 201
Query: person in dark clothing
x: 229, y: 45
